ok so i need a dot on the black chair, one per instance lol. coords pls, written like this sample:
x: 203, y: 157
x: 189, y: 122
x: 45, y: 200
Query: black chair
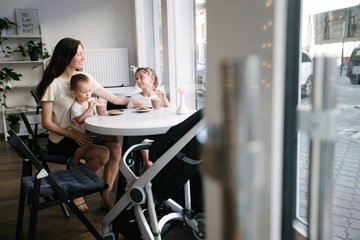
x: 37, y: 100
x: 33, y: 119
x: 38, y: 107
x: 61, y: 187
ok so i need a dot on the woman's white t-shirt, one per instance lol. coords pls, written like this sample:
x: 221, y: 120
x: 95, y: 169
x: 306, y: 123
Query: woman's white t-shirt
x: 59, y: 93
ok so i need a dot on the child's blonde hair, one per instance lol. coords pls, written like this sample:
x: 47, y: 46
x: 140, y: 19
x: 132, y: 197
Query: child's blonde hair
x: 150, y: 72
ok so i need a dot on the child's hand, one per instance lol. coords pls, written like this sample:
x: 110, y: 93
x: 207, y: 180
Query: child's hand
x: 100, y: 100
x: 137, y: 105
x: 160, y: 93
x: 92, y: 104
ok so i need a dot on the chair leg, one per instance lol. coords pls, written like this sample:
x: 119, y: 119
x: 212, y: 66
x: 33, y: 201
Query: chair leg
x: 33, y: 218
x: 64, y: 210
x: 20, y: 216
x: 27, y: 171
x: 62, y: 205
x: 34, y: 208
x: 84, y: 220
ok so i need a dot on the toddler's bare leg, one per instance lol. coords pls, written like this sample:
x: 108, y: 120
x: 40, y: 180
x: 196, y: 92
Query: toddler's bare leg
x: 80, y: 153
x: 147, y: 162
x: 111, y: 168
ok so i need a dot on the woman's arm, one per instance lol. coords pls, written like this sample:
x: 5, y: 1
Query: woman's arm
x: 47, y: 122
x: 106, y: 94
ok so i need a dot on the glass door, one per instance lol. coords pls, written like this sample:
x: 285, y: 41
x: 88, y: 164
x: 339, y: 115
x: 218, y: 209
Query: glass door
x: 315, y: 160
x: 329, y: 29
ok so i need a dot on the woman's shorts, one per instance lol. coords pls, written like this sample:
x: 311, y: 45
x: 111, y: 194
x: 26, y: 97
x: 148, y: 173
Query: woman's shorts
x: 96, y: 138
x: 66, y: 147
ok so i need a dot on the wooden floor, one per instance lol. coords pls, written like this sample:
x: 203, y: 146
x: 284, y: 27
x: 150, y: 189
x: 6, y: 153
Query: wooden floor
x: 51, y: 223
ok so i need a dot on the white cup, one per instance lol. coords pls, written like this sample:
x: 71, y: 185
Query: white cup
x: 156, y: 103
x: 101, y: 108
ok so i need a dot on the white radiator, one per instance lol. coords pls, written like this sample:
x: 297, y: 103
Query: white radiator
x: 109, y: 66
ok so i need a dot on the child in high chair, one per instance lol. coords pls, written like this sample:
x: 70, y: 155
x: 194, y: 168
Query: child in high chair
x: 147, y: 81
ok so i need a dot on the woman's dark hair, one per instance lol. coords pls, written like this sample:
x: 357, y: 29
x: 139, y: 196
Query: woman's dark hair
x: 63, y: 53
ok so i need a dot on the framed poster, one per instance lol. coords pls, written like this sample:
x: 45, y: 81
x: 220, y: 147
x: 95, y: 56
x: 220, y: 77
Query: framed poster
x: 27, y: 21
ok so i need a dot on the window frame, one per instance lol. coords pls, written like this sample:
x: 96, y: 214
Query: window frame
x: 178, y: 40
x: 327, y: 27
x: 352, y: 24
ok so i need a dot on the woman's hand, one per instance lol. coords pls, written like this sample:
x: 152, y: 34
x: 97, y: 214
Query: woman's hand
x: 82, y: 139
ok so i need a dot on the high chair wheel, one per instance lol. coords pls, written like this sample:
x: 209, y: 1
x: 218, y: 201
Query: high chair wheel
x: 200, y: 218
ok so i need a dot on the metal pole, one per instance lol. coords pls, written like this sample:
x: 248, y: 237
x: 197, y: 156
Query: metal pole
x: 342, y: 47
x: 322, y: 132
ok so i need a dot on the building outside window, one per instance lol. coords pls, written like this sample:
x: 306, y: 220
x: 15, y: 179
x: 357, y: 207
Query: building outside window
x: 201, y: 58
x: 352, y: 24
x: 328, y: 20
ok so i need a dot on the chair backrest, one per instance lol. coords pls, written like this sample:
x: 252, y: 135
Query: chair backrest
x: 23, y: 151
x: 37, y: 100
x: 32, y: 120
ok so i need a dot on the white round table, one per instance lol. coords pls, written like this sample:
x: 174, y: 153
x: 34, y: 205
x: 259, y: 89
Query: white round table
x: 133, y: 123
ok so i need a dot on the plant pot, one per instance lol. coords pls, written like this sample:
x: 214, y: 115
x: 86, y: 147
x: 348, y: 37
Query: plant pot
x: 15, y: 127
x: 33, y: 56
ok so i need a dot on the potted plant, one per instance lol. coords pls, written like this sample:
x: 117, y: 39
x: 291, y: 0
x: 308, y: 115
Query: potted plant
x: 6, y: 24
x: 7, y: 75
x: 35, y: 50
x: 14, y: 121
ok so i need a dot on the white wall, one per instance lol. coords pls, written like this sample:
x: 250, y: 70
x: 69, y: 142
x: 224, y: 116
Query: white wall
x: 97, y: 24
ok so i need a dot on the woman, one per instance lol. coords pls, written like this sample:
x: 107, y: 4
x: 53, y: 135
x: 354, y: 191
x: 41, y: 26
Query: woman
x: 55, y: 94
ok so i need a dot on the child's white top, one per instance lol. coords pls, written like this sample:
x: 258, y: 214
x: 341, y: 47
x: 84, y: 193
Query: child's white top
x: 138, y: 98
x: 76, y: 110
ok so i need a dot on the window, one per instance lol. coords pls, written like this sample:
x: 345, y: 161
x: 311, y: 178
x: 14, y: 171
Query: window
x: 328, y: 19
x: 352, y: 24
x: 201, y: 57
x: 171, y: 37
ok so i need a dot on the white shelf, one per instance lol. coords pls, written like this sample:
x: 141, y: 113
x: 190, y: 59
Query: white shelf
x: 20, y: 109
x: 22, y: 62
x: 20, y: 36
x: 19, y: 66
